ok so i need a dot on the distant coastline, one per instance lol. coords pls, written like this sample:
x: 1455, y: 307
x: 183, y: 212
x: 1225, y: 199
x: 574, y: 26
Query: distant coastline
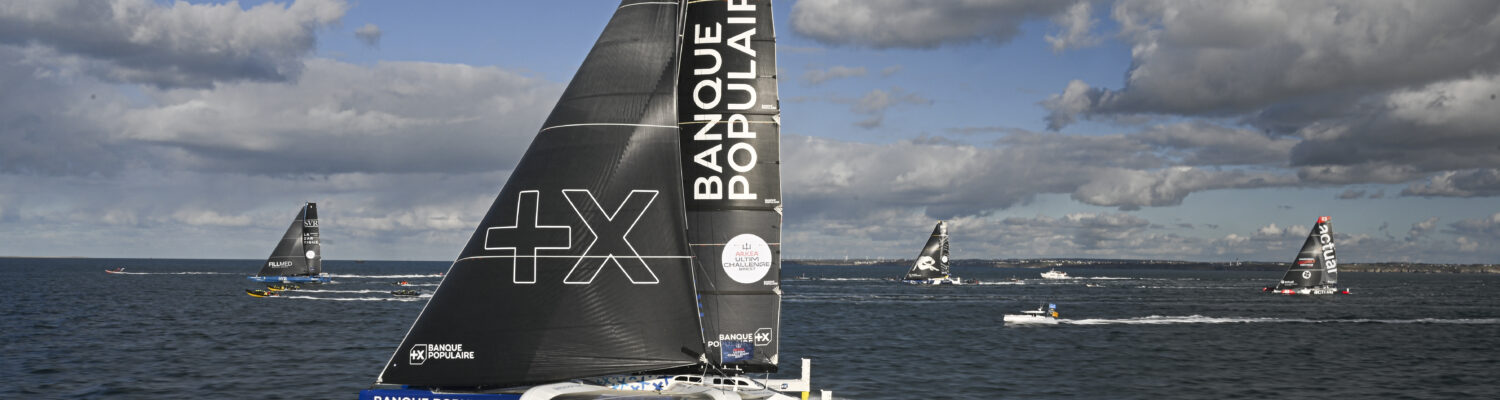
x: 1043, y: 263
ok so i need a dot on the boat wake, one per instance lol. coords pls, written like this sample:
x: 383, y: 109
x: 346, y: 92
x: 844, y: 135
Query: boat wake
x: 1199, y: 319
x: 999, y: 283
x: 342, y: 291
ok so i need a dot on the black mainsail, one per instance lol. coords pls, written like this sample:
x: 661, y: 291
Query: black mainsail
x: 298, y: 252
x: 932, y: 262
x: 581, y: 267
x: 729, y: 111
x: 1316, y: 266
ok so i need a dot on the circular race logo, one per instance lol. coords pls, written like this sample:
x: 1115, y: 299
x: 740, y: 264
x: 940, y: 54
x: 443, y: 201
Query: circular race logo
x: 746, y: 258
x: 1306, y: 274
x: 311, y: 254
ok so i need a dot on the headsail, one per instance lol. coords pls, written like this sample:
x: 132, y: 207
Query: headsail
x: 581, y: 266
x: 1316, y: 264
x: 298, y: 253
x: 729, y: 112
x: 932, y: 262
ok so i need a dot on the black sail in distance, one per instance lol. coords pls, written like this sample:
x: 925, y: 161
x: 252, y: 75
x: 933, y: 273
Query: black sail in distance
x: 298, y: 252
x: 1316, y: 265
x: 932, y: 262
x: 730, y: 110
x: 581, y: 266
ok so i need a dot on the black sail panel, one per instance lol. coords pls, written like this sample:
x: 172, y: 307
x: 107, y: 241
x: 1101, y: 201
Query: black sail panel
x: 293, y: 256
x: 581, y: 266
x: 1315, y: 264
x: 312, y: 250
x: 729, y: 110
x: 932, y: 261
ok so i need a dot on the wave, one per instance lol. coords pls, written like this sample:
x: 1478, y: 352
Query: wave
x: 999, y: 283
x: 340, y: 291
x: 841, y: 279
x: 1199, y: 319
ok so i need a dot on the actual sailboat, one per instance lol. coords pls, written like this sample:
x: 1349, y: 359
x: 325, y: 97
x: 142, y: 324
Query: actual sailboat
x: 931, y: 267
x: 1316, y: 269
x: 298, y: 257
x: 636, y: 246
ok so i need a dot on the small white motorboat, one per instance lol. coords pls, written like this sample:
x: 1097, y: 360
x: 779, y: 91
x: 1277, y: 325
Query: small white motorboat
x: 1041, y: 316
x: 1054, y: 274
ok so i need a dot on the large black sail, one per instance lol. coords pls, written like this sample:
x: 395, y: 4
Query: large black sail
x: 298, y: 252
x: 730, y: 115
x: 1316, y: 264
x: 581, y: 266
x: 932, y: 262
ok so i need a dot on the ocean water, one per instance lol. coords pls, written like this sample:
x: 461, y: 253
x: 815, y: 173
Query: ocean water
x: 184, y: 329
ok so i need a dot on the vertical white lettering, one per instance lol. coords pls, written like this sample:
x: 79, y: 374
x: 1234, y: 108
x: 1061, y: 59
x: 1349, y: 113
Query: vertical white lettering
x: 743, y: 185
x: 718, y: 61
x: 739, y: 121
x: 716, y: 84
x: 710, y: 188
x: 713, y: 119
x: 730, y: 158
x: 741, y: 42
x: 710, y: 158
x: 741, y: 5
x: 749, y: 90
x: 705, y: 35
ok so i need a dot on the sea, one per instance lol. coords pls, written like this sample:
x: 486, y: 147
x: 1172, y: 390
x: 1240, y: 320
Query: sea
x: 180, y: 329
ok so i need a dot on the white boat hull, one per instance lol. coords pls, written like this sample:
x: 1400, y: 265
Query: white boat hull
x: 1029, y: 319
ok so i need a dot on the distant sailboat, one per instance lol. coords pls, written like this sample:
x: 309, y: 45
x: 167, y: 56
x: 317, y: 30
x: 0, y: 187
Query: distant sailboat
x: 298, y: 257
x: 1315, y: 271
x: 931, y: 267
x: 635, y: 249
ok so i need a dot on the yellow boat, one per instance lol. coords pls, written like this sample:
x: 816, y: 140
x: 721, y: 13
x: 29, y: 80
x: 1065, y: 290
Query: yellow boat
x: 260, y: 293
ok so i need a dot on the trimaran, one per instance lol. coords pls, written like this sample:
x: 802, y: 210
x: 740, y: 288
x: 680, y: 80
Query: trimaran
x: 635, y: 249
x: 1316, y: 269
x: 297, y: 257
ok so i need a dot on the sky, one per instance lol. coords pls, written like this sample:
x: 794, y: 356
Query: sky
x: 1185, y: 130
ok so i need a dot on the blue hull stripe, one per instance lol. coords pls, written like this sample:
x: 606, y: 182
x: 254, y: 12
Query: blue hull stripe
x: 269, y: 279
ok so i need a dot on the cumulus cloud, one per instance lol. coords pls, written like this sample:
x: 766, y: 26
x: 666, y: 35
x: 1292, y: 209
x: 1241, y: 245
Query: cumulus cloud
x: 1421, y: 228
x: 1077, y: 25
x: 369, y: 34
x: 916, y: 23
x: 177, y: 45
x: 874, y: 104
x: 818, y: 76
x: 1467, y: 183
x: 1189, y: 59
x: 1487, y: 227
x: 1349, y: 92
x: 392, y: 117
x: 1351, y: 194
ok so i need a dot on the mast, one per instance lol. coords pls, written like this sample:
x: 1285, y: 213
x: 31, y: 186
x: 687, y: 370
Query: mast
x: 729, y: 112
x: 581, y: 267
x: 932, y: 261
x: 298, y: 252
x: 1316, y: 264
